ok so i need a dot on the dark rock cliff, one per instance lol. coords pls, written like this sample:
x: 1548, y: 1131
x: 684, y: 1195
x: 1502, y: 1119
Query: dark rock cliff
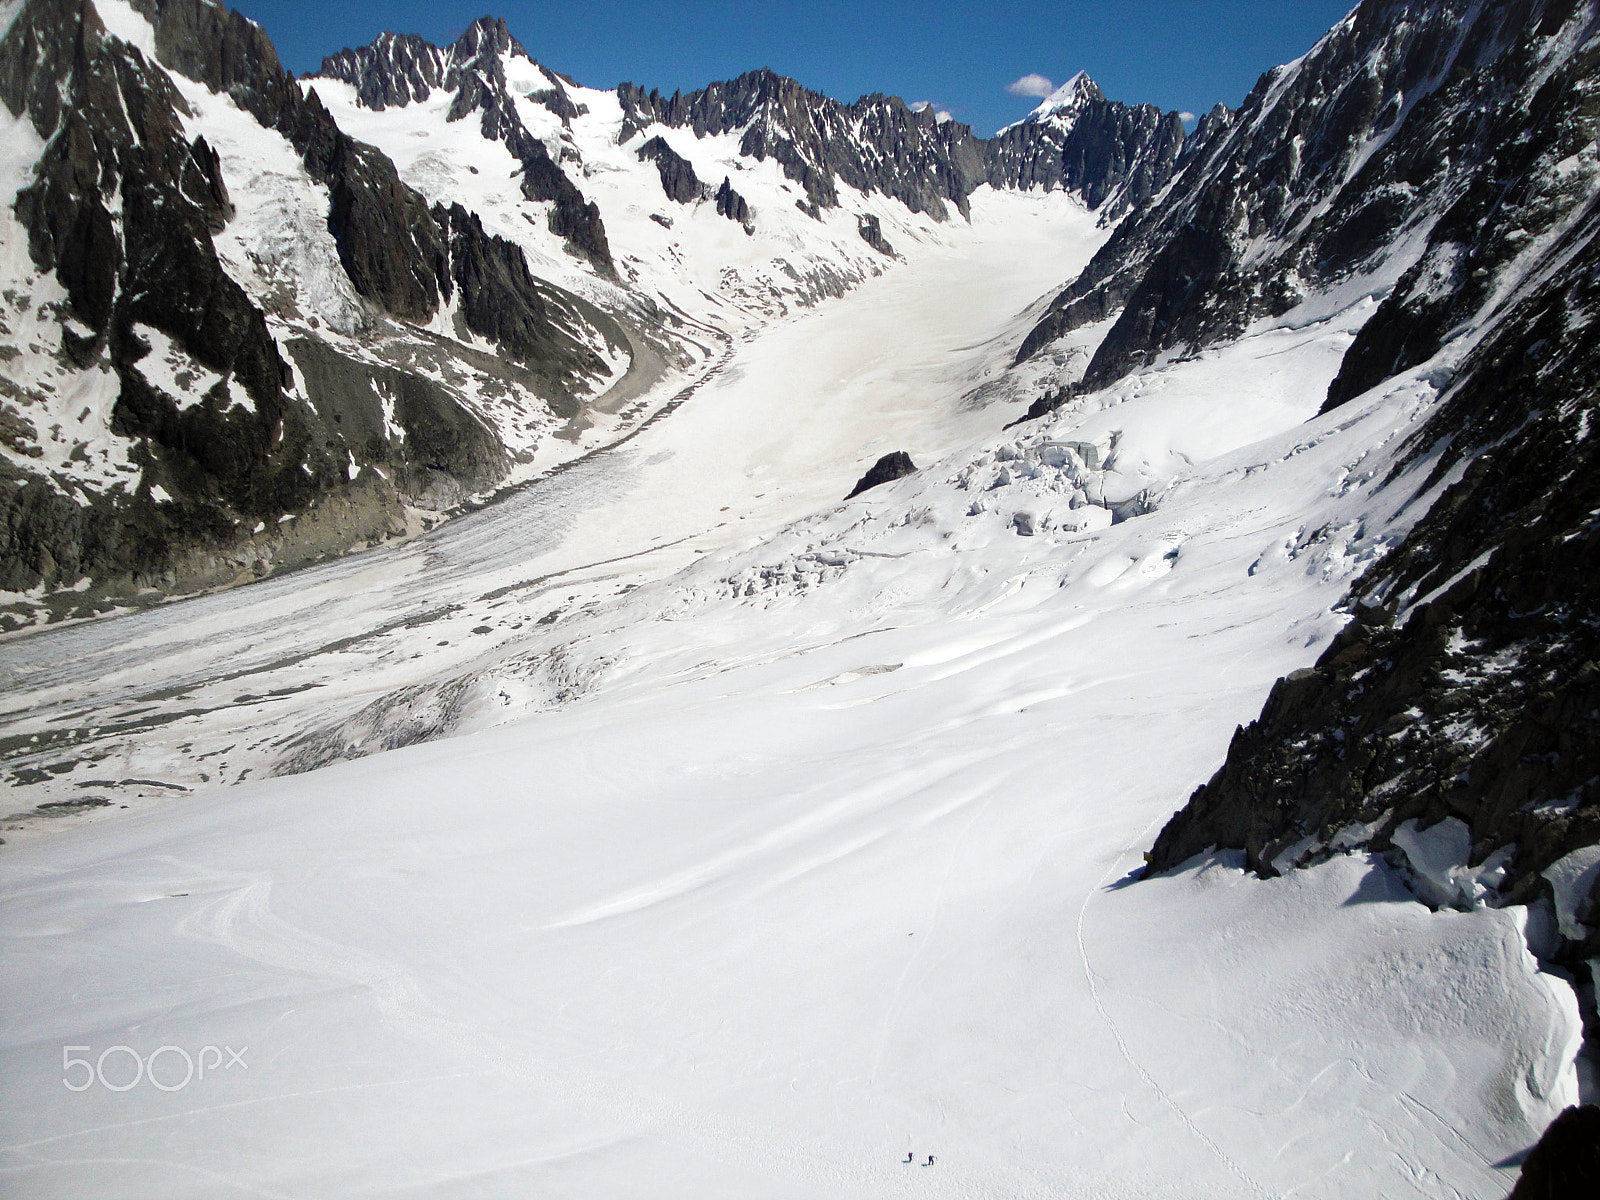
x: 732, y: 205
x: 678, y: 179
x: 529, y: 320
x: 871, y: 230
x: 896, y: 465
x: 1565, y: 1164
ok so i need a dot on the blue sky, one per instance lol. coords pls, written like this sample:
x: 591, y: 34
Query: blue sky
x: 1180, y: 55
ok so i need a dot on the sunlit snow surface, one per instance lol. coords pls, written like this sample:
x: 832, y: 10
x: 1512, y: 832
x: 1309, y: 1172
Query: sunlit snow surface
x: 798, y: 839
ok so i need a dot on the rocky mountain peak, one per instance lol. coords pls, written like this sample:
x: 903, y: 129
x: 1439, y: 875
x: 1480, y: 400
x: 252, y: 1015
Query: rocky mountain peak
x: 394, y: 70
x: 477, y: 68
x: 877, y: 144
x: 1068, y: 100
x: 486, y: 38
x: 1116, y: 156
x: 400, y: 69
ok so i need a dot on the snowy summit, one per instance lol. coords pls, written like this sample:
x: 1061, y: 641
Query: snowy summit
x: 1068, y: 100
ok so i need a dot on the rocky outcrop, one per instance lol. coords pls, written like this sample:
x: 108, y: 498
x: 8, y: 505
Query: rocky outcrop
x: 871, y: 230
x: 1114, y: 155
x: 401, y: 421
x: 886, y: 470
x: 678, y: 179
x: 394, y: 71
x: 1565, y: 1163
x: 530, y: 321
x: 732, y: 205
x: 1398, y: 112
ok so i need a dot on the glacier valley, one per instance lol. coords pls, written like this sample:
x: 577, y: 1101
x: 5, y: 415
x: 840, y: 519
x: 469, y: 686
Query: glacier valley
x: 616, y: 811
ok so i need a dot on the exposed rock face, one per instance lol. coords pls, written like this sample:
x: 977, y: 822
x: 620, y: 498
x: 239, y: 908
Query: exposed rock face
x: 395, y: 70
x: 678, y: 179
x: 399, y: 70
x: 1468, y: 686
x: 886, y: 470
x: 1565, y: 1164
x: 732, y: 205
x: 1394, y: 115
x: 530, y: 321
x: 444, y: 451
x: 871, y: 231
x: 1115, y: 156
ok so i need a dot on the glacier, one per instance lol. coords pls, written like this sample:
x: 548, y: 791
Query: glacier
x: 662, y: 824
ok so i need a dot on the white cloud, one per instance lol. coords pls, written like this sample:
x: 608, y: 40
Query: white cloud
x: 1032, y: 84
x: 1186, y: 117
x: 940, y: 114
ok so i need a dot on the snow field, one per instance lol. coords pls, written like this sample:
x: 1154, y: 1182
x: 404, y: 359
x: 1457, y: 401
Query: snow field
x: 818, y: 876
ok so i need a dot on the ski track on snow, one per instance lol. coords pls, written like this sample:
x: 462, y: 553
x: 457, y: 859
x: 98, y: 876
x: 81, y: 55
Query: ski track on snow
x: 1093, y: 982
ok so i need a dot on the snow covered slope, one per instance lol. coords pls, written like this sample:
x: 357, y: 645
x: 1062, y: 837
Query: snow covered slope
x: 813, y: 856
x: 781, y: 430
